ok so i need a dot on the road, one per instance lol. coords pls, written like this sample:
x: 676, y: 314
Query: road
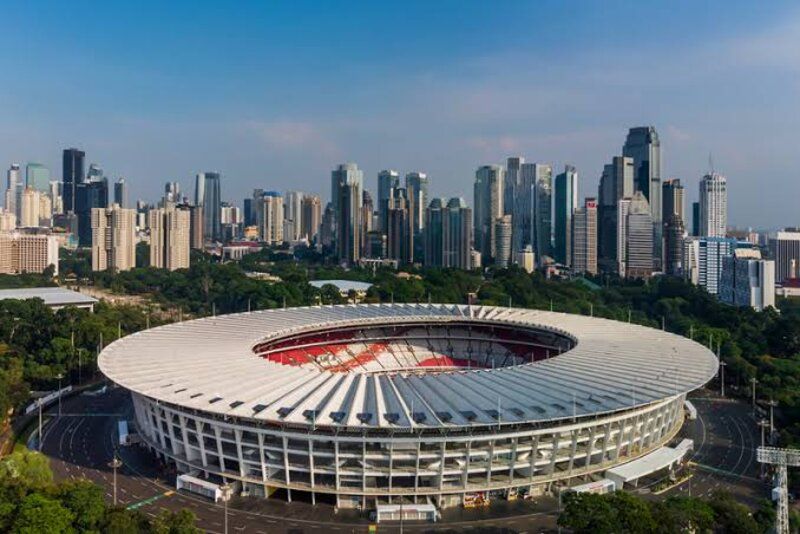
x: 81, y: 443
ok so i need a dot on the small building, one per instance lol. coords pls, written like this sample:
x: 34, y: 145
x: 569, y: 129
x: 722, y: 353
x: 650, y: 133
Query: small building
x: 344, y: 287
x: 53, y: 297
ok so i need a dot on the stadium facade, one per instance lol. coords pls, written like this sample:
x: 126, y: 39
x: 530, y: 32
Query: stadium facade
x: 434, y: 403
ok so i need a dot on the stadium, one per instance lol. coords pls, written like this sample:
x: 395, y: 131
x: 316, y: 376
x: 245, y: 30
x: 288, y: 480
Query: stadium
x: 361, y: 405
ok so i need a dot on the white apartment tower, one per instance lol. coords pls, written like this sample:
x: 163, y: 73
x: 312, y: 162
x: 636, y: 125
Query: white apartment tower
x: 170, y: 238
x: 113, y: 238
x: 713, y: 205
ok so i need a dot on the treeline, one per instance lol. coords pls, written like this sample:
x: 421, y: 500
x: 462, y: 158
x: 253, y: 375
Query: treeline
x: 761, y: 345
x: 622, y: 512
x: 31, y: 503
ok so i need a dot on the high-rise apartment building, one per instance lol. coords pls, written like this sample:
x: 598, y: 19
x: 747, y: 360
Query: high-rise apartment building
x: 347, y: 186
x: 196, y: 227
x: 584, y: 238
x: 121, y: 193
x: 207, y: 194
x: 643, y: 146
x: 270, y: 218
x: 674, y: 234
x: 616, y: 183
x: 696, y: 219
x: 27, y: 253
x: 565, y: 201
x: 703, y: 259
x: 747, y: 280
x: 170, y: 237
x: 713, y: 205
x: 293, y: 215
x: 113, y: 232
x: 502, y: 241
x: 400, y: 233
x: 784, y: 248
x: 488, y: 194
x: 72, y: 174
x: 31, y: 209
x: 310, y: 217
x: 448, y: 234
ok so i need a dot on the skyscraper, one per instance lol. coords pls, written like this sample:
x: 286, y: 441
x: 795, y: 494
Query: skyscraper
x: 565, y: 200
x: 643, y: 145
x: 400, y: 234
x: 696, y: 219
x: 37, y: 176
x: 121, y: 193
x: 292, y: 215
x: 512, y: 183
x: 207, y: 194
x: 170, y: 236
x: 89, y: 195
x: 673, y: 200
x: 434, y: 247
x: 543, y: 214
x: 388, y: 181
x: 616, y: 183
x: 713, y: 205
x: 703, y: 259
x: 311, y: 218
x: 639, y: 238
x: 488, y: 192
x: 113, y: 238
x: 367, y: 212
x: 417, y: 195
x: 271, y: 218
x: 196, y: 227
x: 14, y: 188
x: 72, y: 175
x: 784, y: 248
x: 502, y: 241
x: 349, y: 182
x: 674, y: 234
x: 584, y: 238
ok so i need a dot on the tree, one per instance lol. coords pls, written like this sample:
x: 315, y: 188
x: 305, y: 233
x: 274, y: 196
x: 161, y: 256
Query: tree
x: 732, y: 517
x: 182, y: 522
x: 122, y: 521
x: 588, y: 513
x: 26, y: 468
x: 85, y: 500
x: 632, y: 513
x: 682, y: 514
x: 38, y: 514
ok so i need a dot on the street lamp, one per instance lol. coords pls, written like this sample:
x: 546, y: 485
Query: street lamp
x: 754, y: 381
x: 226, y: 490
x: 115, y: 464
x: 772, y: 403
x: 40, y: 423
x: 59, y: 376
x: 722, y: 376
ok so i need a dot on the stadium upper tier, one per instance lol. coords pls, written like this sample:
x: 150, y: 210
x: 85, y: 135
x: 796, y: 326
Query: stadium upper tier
x: 406, y: 365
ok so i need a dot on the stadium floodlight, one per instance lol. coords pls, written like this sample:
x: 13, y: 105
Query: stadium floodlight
x: 781, y: 459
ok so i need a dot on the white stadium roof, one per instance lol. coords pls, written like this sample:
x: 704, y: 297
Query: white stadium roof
x: 209, y: 365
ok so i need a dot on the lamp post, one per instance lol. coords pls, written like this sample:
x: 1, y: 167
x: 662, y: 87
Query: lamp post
x: 772, y: 403
x: 722, y: 376
x: 59, y: 376
x: 40, y: 424
x: 753, y: 381
x: 115, y: 464
x: 226, y: 490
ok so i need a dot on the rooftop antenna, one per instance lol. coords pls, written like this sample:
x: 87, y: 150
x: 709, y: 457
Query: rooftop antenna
x: 711, y: 162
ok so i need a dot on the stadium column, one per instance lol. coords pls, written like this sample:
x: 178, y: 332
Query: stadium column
x: 590, y: 445
x: 199, y: 429
x: 262, y: 459
x: 513, y: 460
x: 490, y: 462
x: 187, y: 451
x: 286, y: 477
x: 391, y: 468
x: 620, y: 435
x: 173, y: 443
x: 534, y: 453
x: 572, y: 451
x: 220, y: 452
x: 556, y: 442
x: 237, y: 436
x: 606, y: 439
x: 311, y: 470
x: 336, y: 468
x: 465, y: 474
x: 161, y: 416
x: 416, y: 470
x: 441, y: 471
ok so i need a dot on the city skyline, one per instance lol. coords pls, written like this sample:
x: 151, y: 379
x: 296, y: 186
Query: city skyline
x: 429, y: 102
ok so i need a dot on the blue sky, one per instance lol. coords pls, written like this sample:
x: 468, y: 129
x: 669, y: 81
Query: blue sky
x: 275, y: 94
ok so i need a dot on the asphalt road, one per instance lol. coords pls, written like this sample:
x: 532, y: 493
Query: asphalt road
x: 81, y: 444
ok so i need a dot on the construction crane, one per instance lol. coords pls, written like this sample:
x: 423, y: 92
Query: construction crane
x: 781, y: 459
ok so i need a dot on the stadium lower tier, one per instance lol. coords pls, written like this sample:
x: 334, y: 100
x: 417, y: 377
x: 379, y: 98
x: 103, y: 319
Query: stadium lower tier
x: 443, y: 466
